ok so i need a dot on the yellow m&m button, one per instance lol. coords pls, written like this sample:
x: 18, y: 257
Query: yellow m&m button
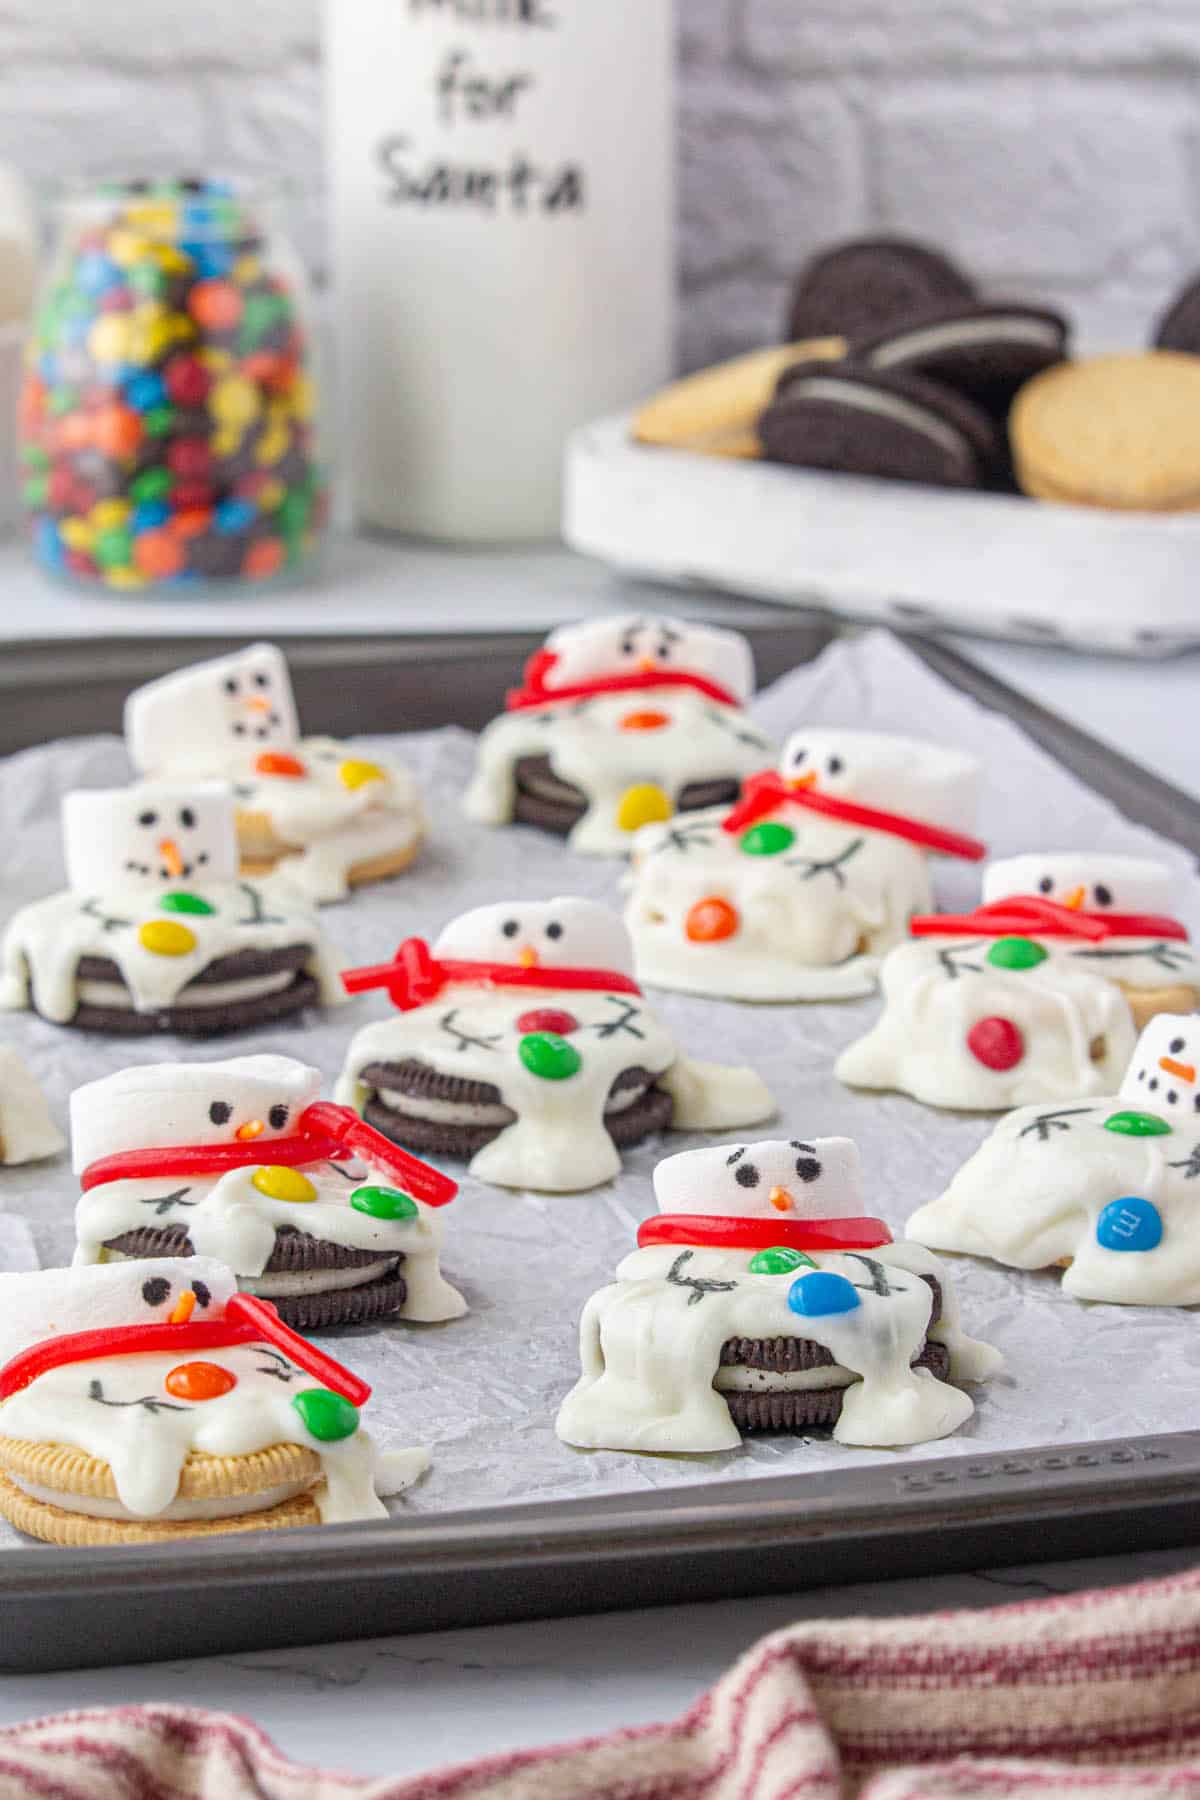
x: 645, y: 804
x: 278, y: 1183
x: 355, y: 774
x: 166, y: 937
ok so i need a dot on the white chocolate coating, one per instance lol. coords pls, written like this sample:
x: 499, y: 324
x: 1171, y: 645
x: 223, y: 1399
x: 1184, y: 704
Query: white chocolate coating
x: 894, y: 774
x: 813, y: 921
x: 558, y: 1142
x: 1077, y: 1029
x: 217, y: 718
x: 1096, y: 882
x: 27, y: 1132
x: 1032, y: 1196
x: 43, y: 944
x: 650, y: 1349
x: 589, y: 748
x: 157, y: 835
x: 635, y: 643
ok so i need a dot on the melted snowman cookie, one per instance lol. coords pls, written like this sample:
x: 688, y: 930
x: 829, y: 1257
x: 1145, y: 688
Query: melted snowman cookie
x: 1033, y: 997
x: 156, y: 931
x: 620, y: 722
x: 237, y: 1161
x: 523, y: 1042
x: 1110, y: 1190
x: 798, y: 892
x: 761, y: 1298
x: 331, y: 818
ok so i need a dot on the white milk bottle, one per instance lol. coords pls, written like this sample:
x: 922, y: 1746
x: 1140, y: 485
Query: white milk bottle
x: 502, y: 178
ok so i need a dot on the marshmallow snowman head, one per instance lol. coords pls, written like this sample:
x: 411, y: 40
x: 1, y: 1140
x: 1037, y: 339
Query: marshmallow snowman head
x: 780, y: 1178
x: 540, y: 934
x: 1164, y: 1071
x: 892, y: 774
x: 202, y: 717
x: 151, y: 836
x: 640, y: 645
x: 1086, y: 883
x: 59, y: 1302
x: 247, y: 1100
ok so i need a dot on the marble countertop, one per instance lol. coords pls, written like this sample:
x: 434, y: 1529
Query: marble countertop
x: 402, y: 1705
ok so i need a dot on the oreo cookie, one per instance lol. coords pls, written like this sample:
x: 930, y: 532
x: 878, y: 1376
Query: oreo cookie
x: 897, y: 427
x: 304, y: 1259
x: 443, y: 1115
x: 190, y: 1016
x: 546, y: 800
x: 984, y: 350
x: 870, y: 285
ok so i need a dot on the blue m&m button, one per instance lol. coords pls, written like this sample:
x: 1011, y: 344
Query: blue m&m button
x: 1129, y: 1224
x: 817, y: 1295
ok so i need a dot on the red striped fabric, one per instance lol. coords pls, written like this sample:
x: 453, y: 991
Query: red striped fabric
x: 1091, y: 1697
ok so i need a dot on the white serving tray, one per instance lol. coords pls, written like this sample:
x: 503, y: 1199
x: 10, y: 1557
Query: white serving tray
x: 908, y: 556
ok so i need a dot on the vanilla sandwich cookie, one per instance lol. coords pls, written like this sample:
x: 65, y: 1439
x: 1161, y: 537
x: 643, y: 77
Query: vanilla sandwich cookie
x: 761, y: 1298
x: 522, y: 1043
x: 150, y: 1402
x: 157, y: 931
x: 242, y: 1162
x: 330, y: 818
x: 620, y: 722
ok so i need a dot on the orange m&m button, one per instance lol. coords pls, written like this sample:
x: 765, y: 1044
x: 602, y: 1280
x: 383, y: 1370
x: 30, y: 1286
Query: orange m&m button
x: 199, y: 1381
x: 711, y: 919
x: 645, y: 721
x: 278, y: 762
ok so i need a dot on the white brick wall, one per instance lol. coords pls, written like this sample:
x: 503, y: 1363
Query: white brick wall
x: 1054, y: 145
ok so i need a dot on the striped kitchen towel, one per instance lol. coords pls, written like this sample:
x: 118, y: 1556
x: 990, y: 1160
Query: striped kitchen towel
x: 1092, y: 1697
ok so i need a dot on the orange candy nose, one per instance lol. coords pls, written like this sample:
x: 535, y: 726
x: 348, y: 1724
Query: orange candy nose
x: 804, y: 781
x: 1185, y: 1071
x: 645, y: 721
x: 278, y: 762
x: 251, y: 1129
x: 169, y: 851
x: 780, y: 1199
x: 1076, y: 898
x: 199, y: 1381
x: 183, y: 1309
x: 710, y: 920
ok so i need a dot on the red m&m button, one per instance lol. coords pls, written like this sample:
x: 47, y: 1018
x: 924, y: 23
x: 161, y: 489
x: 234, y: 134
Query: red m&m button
x: 996, y: 1043
x: 548, y: 1018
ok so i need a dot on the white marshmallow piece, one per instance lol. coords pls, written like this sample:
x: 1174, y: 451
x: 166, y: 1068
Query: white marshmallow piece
x: 1095, y: 883
x: 778, y: 1179
x: 893, y: 774
x: 58, y: 1302
x: 545, y: 934
x: 158, y: 835
x: 1164, y: 1071
x: 27, y: 1132
x: 248, y: 1099
x: 198, y: 718
x: 640, y: 644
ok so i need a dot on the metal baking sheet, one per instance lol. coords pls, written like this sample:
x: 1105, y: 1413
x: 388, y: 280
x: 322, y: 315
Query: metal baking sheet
x: 510, y: 1523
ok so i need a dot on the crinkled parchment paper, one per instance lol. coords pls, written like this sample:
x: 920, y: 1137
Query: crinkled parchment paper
x: 483, y: 1392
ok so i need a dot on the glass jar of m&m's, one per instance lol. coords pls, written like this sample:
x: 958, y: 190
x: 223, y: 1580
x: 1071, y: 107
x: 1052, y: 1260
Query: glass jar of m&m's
x: 168, y: 418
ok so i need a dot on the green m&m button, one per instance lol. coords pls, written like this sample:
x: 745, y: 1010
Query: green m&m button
x: 1016, y: 953
x: 1137, y: 1124
x: 326, y: 1415
x: 383, y: 1203
x: 767, y: 838
x: 779, y: 1261
x: 186, y: 903
x: 548, y: 1056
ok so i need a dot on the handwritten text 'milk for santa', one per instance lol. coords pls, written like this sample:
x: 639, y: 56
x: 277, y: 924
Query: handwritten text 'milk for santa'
x: 487, y: 12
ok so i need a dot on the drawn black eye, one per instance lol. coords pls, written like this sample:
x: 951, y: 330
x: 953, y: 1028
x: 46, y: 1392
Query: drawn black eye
x: 148, y: 818
x: 664, y: 650
x: 798, y: 757
x: 231, y: 686
x: 220, y: 1112
x: 187, y: 818
x: 1103, y: 896
x: 202, y: 858
x: 1175, y: 1046
x: 202, y: 1292
x: 746, y: 1175
x: 262, y: 732
x: 239, y: 730
x: 278, y: 1116
x: 628, y: 647
x: 262, y: 681
x: 1046, y: 885
x: 836, y: 765
x: 808, y: 1168
x: 554, y: 930
x: 1196, y: 1103
x: 1170, y: 1096
x: 511, y: 927
x: 156, y: 1291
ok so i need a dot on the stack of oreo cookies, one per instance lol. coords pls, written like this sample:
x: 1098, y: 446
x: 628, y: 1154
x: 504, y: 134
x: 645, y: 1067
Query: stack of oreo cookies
x: 931, y: 369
